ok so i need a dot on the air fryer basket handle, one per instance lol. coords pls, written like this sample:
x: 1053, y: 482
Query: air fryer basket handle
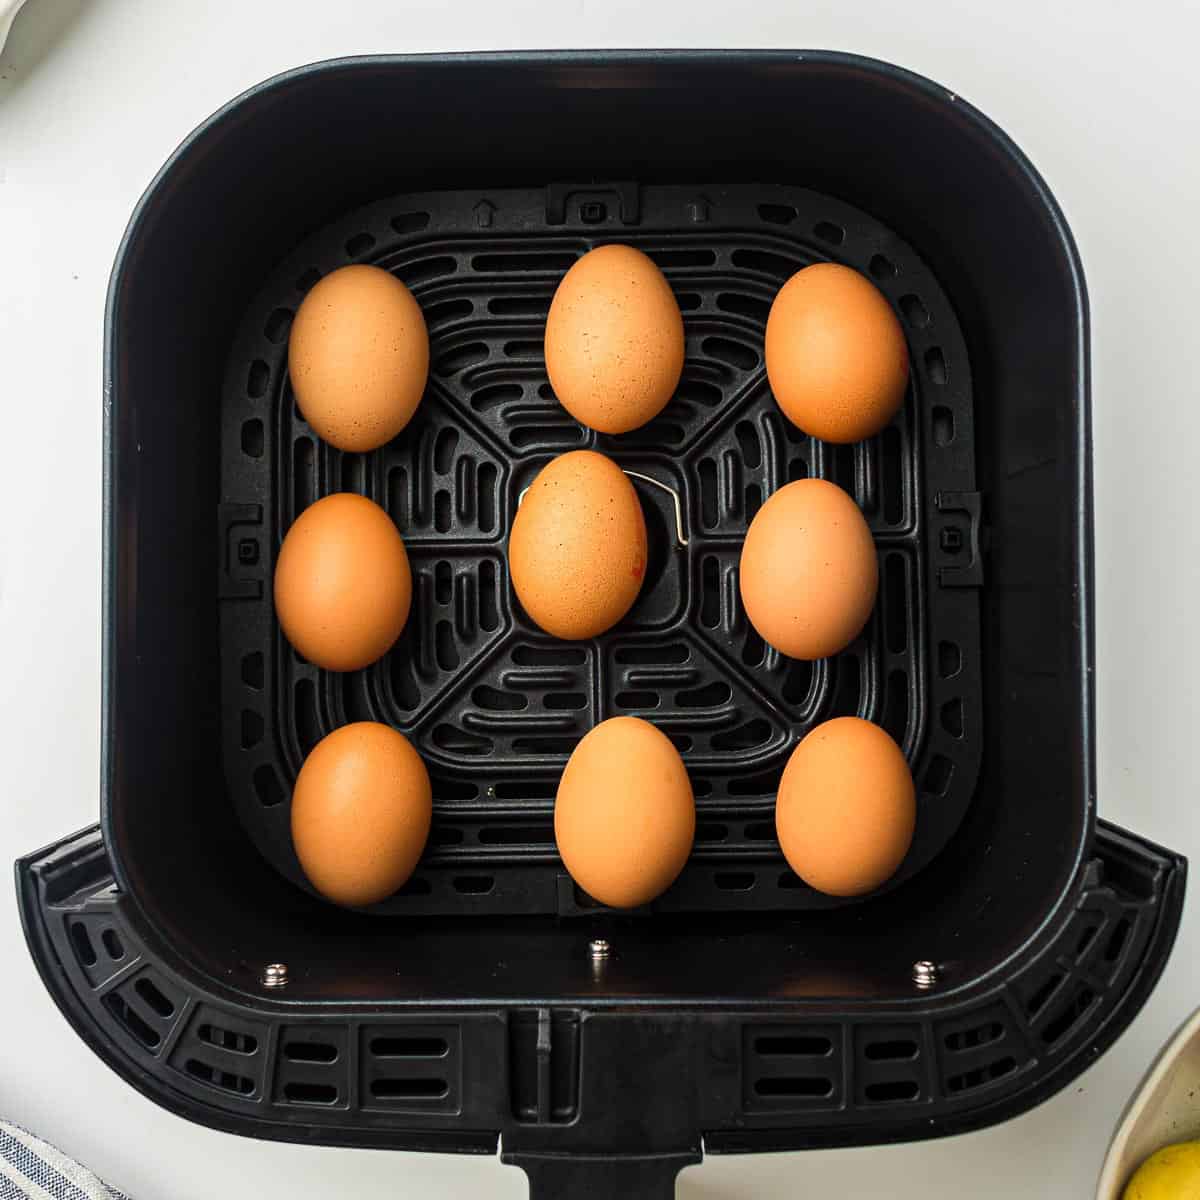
x: 576, y: 1177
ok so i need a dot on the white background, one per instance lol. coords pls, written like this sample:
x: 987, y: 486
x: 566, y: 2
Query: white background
x: 94, y: 96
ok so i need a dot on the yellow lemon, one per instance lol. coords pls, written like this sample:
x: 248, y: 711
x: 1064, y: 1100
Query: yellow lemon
x: 1172, y: 1173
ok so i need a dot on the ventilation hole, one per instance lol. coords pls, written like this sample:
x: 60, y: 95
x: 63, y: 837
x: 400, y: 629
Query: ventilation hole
x: 517, y: 835
x: 485, y: 479
x: 702, y: 787
x: 798, y: 681
x: 409, y: 1089
x: 492, y: 397
x: 1116, y: 941
x: 892, y: 1091
x: 441, y: 511
x: 777, y: 214
x: 938, y: 774
x: 398, y: 496
x: 708, y: 696
x: 935, y: 365
x: 310, y: 1052
x: 409, y: 1047
x: 549, y: 436
x: 410, y: 222
x: 710, y: 832
x: 980, y: 1035
x: 952, y: 717
x: 544, y: 745
x: 84, y: 950
x: 1038, y: 1000
x: 797, y: 469
x: 764, y: 263
x: 688, y: 300
x: 981, y: 1075
x: 131, y: 1021
x: 461, y: 357
x: 304, y: 477
x: 310, y: 1093
x: 891, y: 1050
x: 523, y: 349
x: 882, y: 268
x: 949, y: 659
x: 359, y: 244
x: 489, y: 612
x: 1085, y: 940
x: 670, y: 653
x: 555, y: 262
x: 682, y: 258
x: 759, y: 831
x: 153, y: 996
x: 252, y: 728
x: 680, y: 741
x: 847, y: 685
x: 554, y: 656
x: 113, y: 944
x: 267, y: 786
x: 754, y: 649
x: 734, y: 881
x: 943, y: 425
x: 725, y: 350
x: 765, y: 783
x: 497, y: 701
x: 895, y: 711
x: 417, y: 885
x: 448, y: 310
x: 459, y: 741
x: 710, y: 593
x: 896, y: 603
x: 520, y: 306
x: 699, y: 393
x: 656, y: 435
x: 404, y: 686
x: 708, y: 493
x: 842, y: 467
x: 353, y: 469
x: 794, y: 1086
x: 308, y: 724
x: 443, y: 580
x: 444, y: 646
x: 744, y: 737
x: 789, y: 881
x: 228, y: 1039
x: 257, y: 379
x: 748, y: 444
x: 473, y: 885
x: 915, y: 313
x: 425, y: 269
x: 891, y: 472
x: 744, y: 306
x: 278, y: 324
x: 568, y: 701
x: 534, y: 789
x: 1059, y: 1026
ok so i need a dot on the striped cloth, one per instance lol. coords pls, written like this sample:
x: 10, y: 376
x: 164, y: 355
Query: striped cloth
x: 32, y: 1168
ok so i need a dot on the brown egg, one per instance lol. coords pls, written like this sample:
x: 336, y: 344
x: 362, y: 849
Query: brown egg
x: 846, y: 807
x: 577, y: 552
x: 614, y: 340
x: 808, y: 571
x: 836, y: 356
x: 342, y: 583
x: 358, y: 356
x: 360, y: 813
x: 624, y: 817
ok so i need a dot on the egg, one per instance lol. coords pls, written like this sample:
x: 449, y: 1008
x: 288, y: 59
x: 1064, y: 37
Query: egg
x: 361, y: 810
x: 614, y: 340
x: 624, y: 815
x: 342, y: 583
x: 846, y: 808
x: 577, y: 551
x: 808, y: 572
x: 836, y: 357
x: 358, y: 356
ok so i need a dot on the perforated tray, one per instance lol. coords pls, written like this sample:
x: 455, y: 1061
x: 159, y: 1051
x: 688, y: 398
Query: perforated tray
x: 493, y: 705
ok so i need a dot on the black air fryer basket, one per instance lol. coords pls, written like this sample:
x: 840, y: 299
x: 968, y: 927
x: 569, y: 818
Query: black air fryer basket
x: 490, y: 1004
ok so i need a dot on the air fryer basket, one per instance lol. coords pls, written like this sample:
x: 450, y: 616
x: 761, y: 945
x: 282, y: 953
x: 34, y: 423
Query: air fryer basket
x: 1020, y: 936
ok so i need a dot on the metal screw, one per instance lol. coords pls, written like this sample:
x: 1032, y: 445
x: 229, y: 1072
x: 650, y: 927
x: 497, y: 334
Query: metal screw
x: 598, y: 948
x: 924, y: 973
x: 275, y: 975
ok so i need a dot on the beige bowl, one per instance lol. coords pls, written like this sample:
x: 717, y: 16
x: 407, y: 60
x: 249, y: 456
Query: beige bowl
x: 1164, y: 1109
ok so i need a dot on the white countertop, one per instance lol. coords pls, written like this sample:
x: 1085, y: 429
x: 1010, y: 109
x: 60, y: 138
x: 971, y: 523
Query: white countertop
x: 94, y: 96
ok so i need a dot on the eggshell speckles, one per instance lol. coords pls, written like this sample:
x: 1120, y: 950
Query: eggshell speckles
x: 342, y: 583
x: 836, y: 356
x: 846, y: 808
x: 577, y: 552
x: 624, y: 817
x: 614, y: 340
x: 358, y: 356
x: 808, y: 571
x: 361, y: 811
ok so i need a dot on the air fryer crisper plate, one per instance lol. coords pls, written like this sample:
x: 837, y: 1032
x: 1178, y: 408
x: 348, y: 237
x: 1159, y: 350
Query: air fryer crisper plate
x: 493, y: 705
